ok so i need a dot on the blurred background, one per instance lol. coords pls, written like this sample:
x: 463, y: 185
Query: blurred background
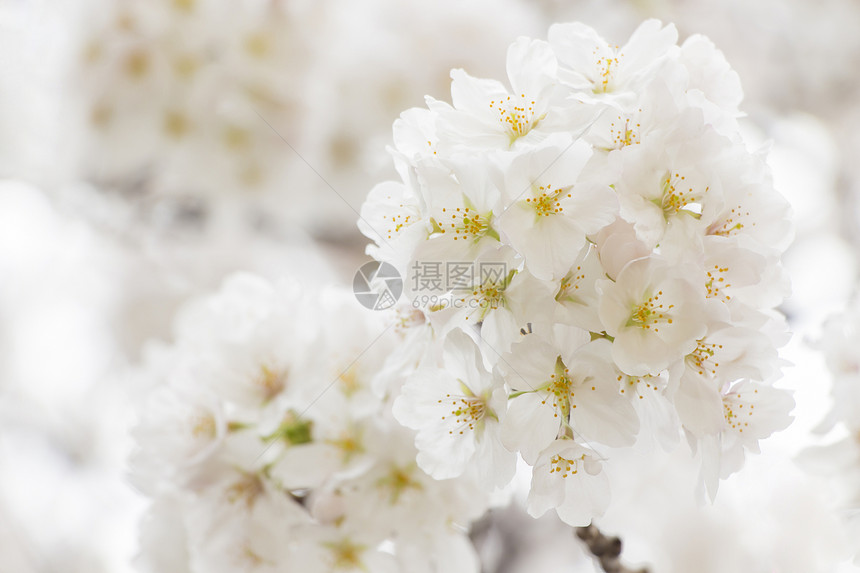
x: 149, y: 149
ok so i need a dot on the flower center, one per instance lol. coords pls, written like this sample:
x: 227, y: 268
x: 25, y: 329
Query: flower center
x: 650, y: 313
x: 626, y: 133
x: 733, y: 414
x: 546, y: 201
x: 702, y: 358
x: 516, y: 114
x: 634, y: 383
x: 466, y: 223
x: 567, y: 290
x: 346, y: 554
x: 349, y: 443
x: 137, y: 64
x: 247, y: 489
x: 565, y: 466
x: 399, y: 221
x: 271, y: 382
x: 203, y: 426
x: 398, y: 480
x: 679, y: 196
x: 716, y: 282
x: 605, y: 67
x: 560, y: 390
x: 731, y: 223
x: 350, y: 381
x: 468, y: 412
x: 488, y: 295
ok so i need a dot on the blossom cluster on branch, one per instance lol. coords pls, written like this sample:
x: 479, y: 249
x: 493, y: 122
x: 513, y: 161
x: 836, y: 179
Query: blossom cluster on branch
x: 596, y: 251
x: 268, y: 444
x: 591, y: 260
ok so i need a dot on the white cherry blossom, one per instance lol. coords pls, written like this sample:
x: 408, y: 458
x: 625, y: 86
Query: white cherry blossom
x: 672, y: 180
x: 487, y: 115
x: 495, y: 295
x: 564, y: 389
x: 654, y: 313
x: 752, y: 411
x: 593, y: 67
x: 569, y: 478
x: 577, y: 296
x: 549, y: 210
x: 393, y: 218
x: 456, y: 409
x: 753, y: 212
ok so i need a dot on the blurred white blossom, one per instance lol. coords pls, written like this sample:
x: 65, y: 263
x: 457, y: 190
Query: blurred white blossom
x: 264, y: 438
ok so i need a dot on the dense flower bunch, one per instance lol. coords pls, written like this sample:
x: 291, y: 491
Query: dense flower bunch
x: 267, y: 445
x: 597, y: 253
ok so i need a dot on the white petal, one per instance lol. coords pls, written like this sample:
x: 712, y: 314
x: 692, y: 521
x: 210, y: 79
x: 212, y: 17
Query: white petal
x: 530, y: 425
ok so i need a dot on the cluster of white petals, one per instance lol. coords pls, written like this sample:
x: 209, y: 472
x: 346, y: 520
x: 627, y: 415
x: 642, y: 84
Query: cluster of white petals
x: 597, y: 253
x: 269, y: 444
x: 589, y: 243
x: 839, y: 460
x: 245, y: 103
x: 171, y: 96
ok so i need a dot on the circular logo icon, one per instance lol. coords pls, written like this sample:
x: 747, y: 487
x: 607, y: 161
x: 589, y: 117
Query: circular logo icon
x: 377, y: 286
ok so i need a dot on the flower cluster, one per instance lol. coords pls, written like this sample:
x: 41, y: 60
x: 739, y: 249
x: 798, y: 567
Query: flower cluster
x: 840, y: 459
x: 166, y: 87
x: 195, y: 99
x: 268, y: 445
x: 601, y: 251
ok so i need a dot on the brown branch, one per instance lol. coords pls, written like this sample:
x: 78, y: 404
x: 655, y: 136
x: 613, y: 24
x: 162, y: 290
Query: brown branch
x: 607, y: 550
